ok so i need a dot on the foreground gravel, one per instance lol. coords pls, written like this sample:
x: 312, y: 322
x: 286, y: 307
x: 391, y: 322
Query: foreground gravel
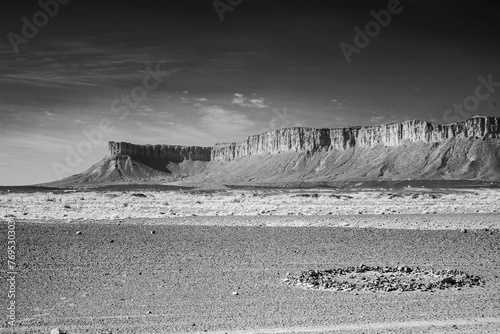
x: 489, y: 222
x: 139, y: 278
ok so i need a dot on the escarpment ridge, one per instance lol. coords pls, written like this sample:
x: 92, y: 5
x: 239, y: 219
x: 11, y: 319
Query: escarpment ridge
x: 313, y: 140
x: 410, y: 150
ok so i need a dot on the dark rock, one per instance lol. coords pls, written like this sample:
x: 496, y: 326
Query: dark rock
x: 448, y: 280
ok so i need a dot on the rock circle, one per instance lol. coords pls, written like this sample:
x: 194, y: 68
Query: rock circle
x: 383, y: 279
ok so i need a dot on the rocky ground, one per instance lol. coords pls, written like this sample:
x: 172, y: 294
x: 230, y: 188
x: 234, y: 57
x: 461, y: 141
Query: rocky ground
x: 375, y: 279
x: 253, y: 261
x: 101, y: 277
x: 120, y: 205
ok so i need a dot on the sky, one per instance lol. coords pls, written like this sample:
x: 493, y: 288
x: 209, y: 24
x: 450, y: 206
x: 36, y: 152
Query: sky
x: 78, y: 74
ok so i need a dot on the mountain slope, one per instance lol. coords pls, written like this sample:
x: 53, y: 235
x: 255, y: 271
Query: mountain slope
x: 453, y: 159
x: 124, y: 169
x: 412, y: 150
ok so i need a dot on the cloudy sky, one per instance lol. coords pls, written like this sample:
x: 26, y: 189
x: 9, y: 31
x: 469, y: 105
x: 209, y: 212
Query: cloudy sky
x: 172, y: 72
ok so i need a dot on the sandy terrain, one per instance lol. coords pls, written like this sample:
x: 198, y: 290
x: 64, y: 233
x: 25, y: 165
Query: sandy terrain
x: 217, y: 259
x: 120, y: 205
x: 123, y: 279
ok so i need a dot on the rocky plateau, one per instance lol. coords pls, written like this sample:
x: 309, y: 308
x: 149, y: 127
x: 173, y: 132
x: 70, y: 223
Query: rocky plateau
x: 416, y: 150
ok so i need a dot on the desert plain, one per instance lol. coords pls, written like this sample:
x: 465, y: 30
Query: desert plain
x: 214, y: 260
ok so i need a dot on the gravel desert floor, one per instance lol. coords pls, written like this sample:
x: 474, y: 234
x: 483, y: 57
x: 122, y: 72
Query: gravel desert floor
x: 224, y: 274
x: 122, y: 278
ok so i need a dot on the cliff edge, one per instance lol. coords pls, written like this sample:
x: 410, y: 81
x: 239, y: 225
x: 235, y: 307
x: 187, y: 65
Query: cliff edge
x: 415, y: 150
x: 391, y: 135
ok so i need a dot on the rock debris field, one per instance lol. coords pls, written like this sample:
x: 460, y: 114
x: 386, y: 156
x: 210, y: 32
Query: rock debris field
x: 405, y: 261
x: 386, y: 279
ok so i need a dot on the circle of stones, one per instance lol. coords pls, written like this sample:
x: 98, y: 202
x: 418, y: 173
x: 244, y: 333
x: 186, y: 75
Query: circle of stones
x: 387, y: 279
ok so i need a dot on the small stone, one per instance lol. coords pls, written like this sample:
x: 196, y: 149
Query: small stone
x: 235, y: 293
x: 149, y: 312
x: 463, y: 230
x: 56, y: 331
x: 449, y: 280
x: 78, y: 232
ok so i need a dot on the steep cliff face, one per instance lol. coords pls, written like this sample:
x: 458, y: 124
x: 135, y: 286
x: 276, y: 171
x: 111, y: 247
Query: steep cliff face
x: 315, y: 140
x: 172, y: 153
x: 411, y: 150
x: 456, y: 159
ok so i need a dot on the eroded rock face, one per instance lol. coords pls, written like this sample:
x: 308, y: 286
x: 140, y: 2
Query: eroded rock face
x: 466, y: 150
x: 173, y: 153
x: 313, y: 140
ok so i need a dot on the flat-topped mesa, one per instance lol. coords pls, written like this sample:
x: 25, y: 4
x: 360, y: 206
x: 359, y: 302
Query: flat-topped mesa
x: 173, y: 153
x: 313, y: 140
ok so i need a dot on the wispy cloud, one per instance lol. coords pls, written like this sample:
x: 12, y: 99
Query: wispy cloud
x: 377, y: 119
x: 163, y: 114
x: 282, y: 118
x: 254, y: 102
x: 218, y: 120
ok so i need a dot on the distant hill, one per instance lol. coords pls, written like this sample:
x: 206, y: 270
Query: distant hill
x: 411, y: 150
